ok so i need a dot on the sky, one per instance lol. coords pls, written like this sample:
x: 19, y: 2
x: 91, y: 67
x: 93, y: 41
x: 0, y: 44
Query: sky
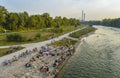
x: 94, y: 9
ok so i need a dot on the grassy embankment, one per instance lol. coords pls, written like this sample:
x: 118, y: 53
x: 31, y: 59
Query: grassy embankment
x: 67, y: 42
x: 6, y: 51
x: 82, y: 32
x: 33, y: 36
x: 64, y: 42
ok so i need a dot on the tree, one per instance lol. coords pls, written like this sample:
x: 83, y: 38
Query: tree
x: 3, y: 14
x: 12, y: 21
x: 23, y: 17
x: 47, y: 20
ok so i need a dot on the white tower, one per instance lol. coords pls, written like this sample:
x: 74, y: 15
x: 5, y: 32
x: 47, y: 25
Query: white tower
x: 82, y: 16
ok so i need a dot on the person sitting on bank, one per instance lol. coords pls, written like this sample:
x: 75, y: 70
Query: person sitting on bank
x: 27, y: 65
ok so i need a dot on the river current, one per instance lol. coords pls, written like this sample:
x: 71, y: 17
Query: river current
x: 98, y: 56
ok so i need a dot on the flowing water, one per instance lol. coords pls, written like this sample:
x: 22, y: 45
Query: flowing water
x: 97, y: 57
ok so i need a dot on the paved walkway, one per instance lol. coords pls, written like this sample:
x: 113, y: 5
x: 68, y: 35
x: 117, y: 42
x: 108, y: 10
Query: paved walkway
x: 32, y: 45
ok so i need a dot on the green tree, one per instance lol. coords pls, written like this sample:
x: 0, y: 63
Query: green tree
x: 3, y: 14
x: 47, y: 20
x: 23, y: 17
x: 12, y: 21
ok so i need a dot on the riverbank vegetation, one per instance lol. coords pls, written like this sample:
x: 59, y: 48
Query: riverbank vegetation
x: 106, y: 22
x: 82, y: 32
x: 33, y: 36
x: 6, y: 51
x: 64, y: 42
x: 111, y: 22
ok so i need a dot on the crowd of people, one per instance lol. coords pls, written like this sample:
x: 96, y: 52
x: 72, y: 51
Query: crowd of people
x: 60, y: 53
x: 43, y: 63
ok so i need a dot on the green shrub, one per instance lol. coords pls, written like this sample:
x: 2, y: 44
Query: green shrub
x: 38, y: 35
x: 30, y: 39
x: 15, y: 37
x: 1, y: 30
x: 82, y: 32
x: 57, y: 30
x: 64, y: 42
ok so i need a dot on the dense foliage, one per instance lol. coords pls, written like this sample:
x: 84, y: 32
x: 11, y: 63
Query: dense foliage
x: 22, y: 21
x: 106, y: 22
x: 82, y: 32
x: 111, y: 22
x: 17, y: 37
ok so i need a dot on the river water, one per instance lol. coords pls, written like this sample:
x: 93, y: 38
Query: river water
x: 97, y: 57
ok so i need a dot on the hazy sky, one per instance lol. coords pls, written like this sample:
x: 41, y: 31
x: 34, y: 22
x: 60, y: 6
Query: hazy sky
x: 94, y: 9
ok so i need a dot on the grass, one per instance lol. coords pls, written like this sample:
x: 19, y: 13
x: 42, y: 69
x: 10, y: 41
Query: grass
x: 82, y: 32
x: 30, y: 35
x: 6, y: 51
x: 64, y: 42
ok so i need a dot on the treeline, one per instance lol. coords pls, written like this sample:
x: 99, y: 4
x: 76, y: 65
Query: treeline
x: 106, y: 22
x: 22, y: 21
x: 111, y: 22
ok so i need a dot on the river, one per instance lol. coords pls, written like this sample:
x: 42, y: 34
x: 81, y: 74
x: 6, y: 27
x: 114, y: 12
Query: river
x: 97, y: 57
